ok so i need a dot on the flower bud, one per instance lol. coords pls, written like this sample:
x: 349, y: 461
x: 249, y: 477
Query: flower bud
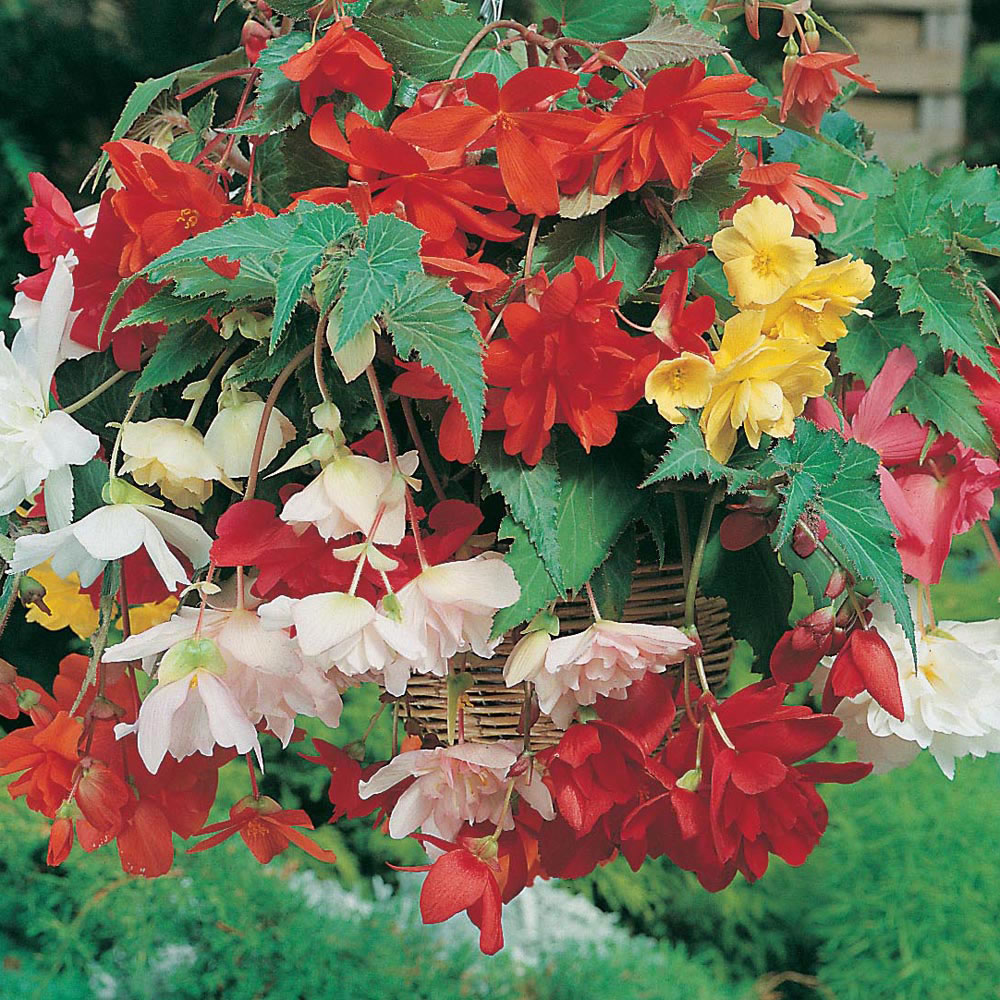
x: 866, y: 663
x: 189, y: 655
x: 836, y: 584
x: 526, y: 658
x: 232, y: 436
x: 803, y: 541
x: 690, y: 781
x: 797, y: 652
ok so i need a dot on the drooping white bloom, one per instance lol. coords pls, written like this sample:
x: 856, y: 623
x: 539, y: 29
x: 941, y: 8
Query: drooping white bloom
x: 451, y: 608
x: 231, y: 436
x: 264, y: 670
x: 166, y: 453
x: 603, y: 659
x: 347, y: 495
x: 347, y: 632
x: 39, y: 445
x: 113, y: 532
x: 466, y: 783
x: 191, y: 710
x: 951, y: 701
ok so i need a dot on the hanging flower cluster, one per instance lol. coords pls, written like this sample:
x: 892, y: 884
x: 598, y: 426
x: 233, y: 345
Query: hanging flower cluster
x: 415, y: 384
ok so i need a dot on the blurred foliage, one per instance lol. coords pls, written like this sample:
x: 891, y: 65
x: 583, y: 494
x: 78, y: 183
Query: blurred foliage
x: 982, y: 85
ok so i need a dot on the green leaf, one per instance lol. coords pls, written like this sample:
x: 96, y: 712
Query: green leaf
x: 277, y: 105
x: 692, y: 10
x: 497, y: 62
x: 531, y: 494
x: 812, y: 459
x: 686, y: 456
x: 89, y: 480
x: 631, y: 243
x: 666, y: 41
x: 165, y: 308
x: 263, y: 365
x: 74, y: 379
x: 376, y: 271
x: 426, y: 316
x: 181, y: 351
x: 598, y: 499
x: 849, y: 500
x: 949, y: 307
x: 713, y: 188
x: 948, y: 402
x: 427, y: 45
x: 612, y: 580
x: 312, y: 237
x: 595, y: 22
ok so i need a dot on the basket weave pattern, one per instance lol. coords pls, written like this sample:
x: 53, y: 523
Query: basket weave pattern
x: 492, y: 711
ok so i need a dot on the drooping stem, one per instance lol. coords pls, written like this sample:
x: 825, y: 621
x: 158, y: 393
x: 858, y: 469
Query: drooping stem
x: 253, y: 776
x: 207, y: 383
x: 372, y: 722
x: 251, y: 80
x: 318, y: 357
x: 265, y: 418
x: 530, y: 251
x: 227, y: 75
x: 602, y: 233
x: 418, y: 442
x: 118, y: 437
x: 504, y: 808
x: 95, y: 392
x: 594, y: 609
x: 991, y: 542
x: 698, y: 555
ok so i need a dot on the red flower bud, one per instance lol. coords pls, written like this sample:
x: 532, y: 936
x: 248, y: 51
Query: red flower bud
x: 866, y: 664
x: 836, y: 584
x: 797, y: 652
x: 60, y: 841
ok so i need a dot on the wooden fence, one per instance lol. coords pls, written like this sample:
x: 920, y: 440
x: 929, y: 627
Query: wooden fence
x: 915, y: 51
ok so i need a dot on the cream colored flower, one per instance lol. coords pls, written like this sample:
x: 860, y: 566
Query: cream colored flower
x: 166, y: 453
x: 681, y: 382
x: 813, y: 311
x: 759, y: 254
x: 232, y: 435
x: 760, y: 385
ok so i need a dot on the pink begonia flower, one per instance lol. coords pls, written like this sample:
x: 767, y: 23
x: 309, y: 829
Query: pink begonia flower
x: 450, y: 608
x: 603, y: 660
x: 264, y: 670
x: 931, y: 501
x: 346, y: 632
x: 117, y: 530
x: 456, y: 785
x: 348, y: 494
x: 951, y: 701
x: 191, y: 710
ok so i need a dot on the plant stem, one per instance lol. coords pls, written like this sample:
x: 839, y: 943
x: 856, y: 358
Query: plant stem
x: 208, y: 380
x: 253, y: 776
x: 318, y: 357
x: 684, y: 535
x: 478, y: 37
x: 265, y: 418
x: 118, y: 437
x: 94, y: 393
x: 418, y: 441
x: 530, y: 251
x: 227, y: 75
x: 699, y: 554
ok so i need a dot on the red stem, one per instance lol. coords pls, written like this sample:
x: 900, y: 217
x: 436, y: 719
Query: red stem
x: 227, y: 75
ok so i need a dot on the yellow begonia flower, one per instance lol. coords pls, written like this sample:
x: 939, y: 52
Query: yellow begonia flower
x: 144, y: 616
x: 761, y: 385
x: 813, y: 310
x: 761, y: 258
x: 69, y: 606
x: 166, y: 453
x: 681, y: 382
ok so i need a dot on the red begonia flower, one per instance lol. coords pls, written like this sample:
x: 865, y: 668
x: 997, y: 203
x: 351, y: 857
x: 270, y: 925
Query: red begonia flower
x: 799, y: 650
x: 865, y: 664
x: 508, y: 118
x: 60, y: 841
x: 810, y: 86
x: 266, y: 829
x: 681, y: 325
x: 53, y: 229
x: 986, y: 387
x: 344, y: 59
x: 47, y: 754
x: 658, y: 133
x: 345, y: 775
x: 145, y: 844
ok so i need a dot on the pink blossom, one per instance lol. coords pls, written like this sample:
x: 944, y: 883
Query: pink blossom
x: 455, y: 785
x: 604, y: 659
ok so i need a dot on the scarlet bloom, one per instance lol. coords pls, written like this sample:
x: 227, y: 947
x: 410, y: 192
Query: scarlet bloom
x: 47, y: 754
x: 785, y: 183
x: 566, y: 361
x: 401, y: 180
x: 810, y: 86
x: 266, y: 829
x: 344, y: 59
x: 162, y: 202
x: 986, y: 388
x: 865, y: 663
x: 454, y: 437
x: 464, y: 878
x: 681, y: 325
x: 53, y: 228
x: 346, y: 774
x: 798, y: 651
x: 508, y: 118
x: 658, y: 133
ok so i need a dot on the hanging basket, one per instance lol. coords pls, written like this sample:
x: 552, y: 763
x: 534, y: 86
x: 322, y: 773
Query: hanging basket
x: 491, y: 711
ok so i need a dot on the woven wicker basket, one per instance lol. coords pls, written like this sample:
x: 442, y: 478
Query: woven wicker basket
x: 492, y: 711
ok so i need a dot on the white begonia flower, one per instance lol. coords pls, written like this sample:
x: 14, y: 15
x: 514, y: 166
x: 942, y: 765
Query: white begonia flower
x: 347, y: 496
x: 39, y: 445
x: 951, y: 701
x: 265, y: 672
x: 347, y: 632
x: 113, y: 532
x: 166, y: 453
x: 358, y: 353
x: 603, y: 660
x: 231, y: 436
x: 455, y: 785
x: 450, y: 608
x: 191, y: 710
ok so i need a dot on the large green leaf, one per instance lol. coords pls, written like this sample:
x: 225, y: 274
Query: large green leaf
x: 531, y: 494
x: 537, y: 588
x: 631, y: 243
x: 949, y: 306
x: 315, y: 233
x: 376, y: 271
x: 277, y: 105
x: 666, y: 41
x: 181, y: 351
x: 715, y: 187
x: 163, y: 307
x: 425, y: 45
x: 597, y: 22
x: 849, y: 500
x: 947, y: 401
x: 812, y: 458
x: 426, y: 316
x: 687, y: 457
